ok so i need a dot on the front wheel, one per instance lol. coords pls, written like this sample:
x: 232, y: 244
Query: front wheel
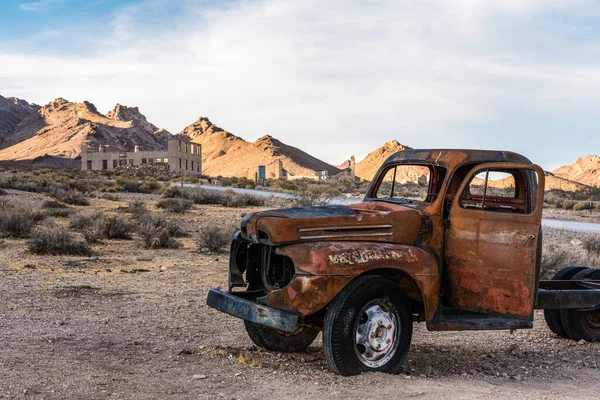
x: 368, y: 327
x: 274, y: 340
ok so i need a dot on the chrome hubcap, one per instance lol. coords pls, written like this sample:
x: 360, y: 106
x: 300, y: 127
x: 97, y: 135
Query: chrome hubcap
x: 376, y: 334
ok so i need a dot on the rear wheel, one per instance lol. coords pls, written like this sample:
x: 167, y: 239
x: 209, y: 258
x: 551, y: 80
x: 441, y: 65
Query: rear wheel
x: 582, y: 324
x: 552, y: 317
x: 274, y: 340
x: 368, y: 327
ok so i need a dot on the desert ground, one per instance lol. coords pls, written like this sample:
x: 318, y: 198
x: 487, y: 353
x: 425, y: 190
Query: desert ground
x: 128, y: 322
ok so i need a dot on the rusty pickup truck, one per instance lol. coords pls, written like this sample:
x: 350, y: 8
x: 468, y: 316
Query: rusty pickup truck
x: 451, y: 238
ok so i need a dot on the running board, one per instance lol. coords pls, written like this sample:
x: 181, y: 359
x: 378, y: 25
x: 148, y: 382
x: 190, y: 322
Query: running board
x: 459, y: 320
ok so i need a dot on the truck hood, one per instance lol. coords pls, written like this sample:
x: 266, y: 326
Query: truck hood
x: 368, y: 221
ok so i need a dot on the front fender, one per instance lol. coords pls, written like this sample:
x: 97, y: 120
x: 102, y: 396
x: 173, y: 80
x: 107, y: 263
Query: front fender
x: 323, y: 269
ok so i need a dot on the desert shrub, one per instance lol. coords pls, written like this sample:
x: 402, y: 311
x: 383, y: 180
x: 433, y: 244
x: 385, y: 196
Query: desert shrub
x: 562, y: 248
x: 227, y: 198
x: 18, y: 221
x: 156, y: 232
x: 237, y: 182
x: 207, y: 196
x: 3, y: 192
x: 232, y: 199
x: 110, y: 197
x: 568, y: 204
x: 583, y: 205
x: 553, y: 199
x: 53, y: 204
x: 125, y: 184
x: 592, y: 245
x: 173, y: 227
x: 71, y: 196
x: 179, y: 206
x: 58, y: 212
x: 192, y: 179
x: 137, y: 208
x: 82, y: 220
x: 53, y: 208
x: 150, y: 185
x: 174, y: 192
x: 555, y: 258
x: 287, y: 185
x: 93, y: 233
x: 315, y: 195
x: 116, y: 227
x: 212, y: 238
x: 56, y: 240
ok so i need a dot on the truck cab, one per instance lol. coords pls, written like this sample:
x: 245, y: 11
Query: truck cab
x: 451, y: 238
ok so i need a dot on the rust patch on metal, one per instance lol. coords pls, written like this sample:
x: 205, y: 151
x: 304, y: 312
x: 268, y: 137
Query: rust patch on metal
x: 368, y: 255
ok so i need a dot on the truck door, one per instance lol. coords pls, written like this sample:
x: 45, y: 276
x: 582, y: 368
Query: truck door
x: 491, y: 241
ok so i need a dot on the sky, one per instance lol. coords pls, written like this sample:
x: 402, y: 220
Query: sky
x: 334, y: 78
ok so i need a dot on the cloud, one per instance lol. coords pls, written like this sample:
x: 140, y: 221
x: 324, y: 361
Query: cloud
x: 334, y: 78
x: 38, y: 5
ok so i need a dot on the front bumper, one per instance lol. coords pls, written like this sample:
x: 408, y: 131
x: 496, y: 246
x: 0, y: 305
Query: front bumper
x: 237, y: 306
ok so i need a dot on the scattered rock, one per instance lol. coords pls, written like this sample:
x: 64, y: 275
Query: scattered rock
x: 487, y: 366
x: 135, y: 270
x: 200, y: 376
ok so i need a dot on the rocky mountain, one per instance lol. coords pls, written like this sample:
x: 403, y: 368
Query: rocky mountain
x: 12, y: 112
x: 228, y: 155
x: 585, y: 170
x: 53, y: 134
x: 367, y: 167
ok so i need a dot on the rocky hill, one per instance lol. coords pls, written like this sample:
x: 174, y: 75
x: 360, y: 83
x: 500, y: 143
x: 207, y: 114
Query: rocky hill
x: 53, y: 134
x: 585, y: 170
x: 12, y: 112
x: 228, y: 155
x: 367, y: 167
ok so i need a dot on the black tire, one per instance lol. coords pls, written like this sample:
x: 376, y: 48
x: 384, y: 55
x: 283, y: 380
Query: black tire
x: 582, y: 324
x: 552, y: 317
x: 379, y: 303
x: 274, y: 340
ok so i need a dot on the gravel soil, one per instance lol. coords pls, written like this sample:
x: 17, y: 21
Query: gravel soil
x: 133, y: 323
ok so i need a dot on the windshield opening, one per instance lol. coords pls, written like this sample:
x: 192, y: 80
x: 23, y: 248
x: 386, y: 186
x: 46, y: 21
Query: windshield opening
x: 410, y: 183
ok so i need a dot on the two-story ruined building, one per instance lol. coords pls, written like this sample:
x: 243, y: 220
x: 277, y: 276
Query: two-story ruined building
x: 180, y: 154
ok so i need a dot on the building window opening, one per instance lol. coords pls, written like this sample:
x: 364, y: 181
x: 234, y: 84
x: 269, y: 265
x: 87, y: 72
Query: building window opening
x: 104, y: 164
x: 115, y: 163
x: 89, y: 164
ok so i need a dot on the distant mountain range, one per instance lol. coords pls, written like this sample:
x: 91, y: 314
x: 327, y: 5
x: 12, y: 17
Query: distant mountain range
x: 52, y: 135
x: 225, y: 154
